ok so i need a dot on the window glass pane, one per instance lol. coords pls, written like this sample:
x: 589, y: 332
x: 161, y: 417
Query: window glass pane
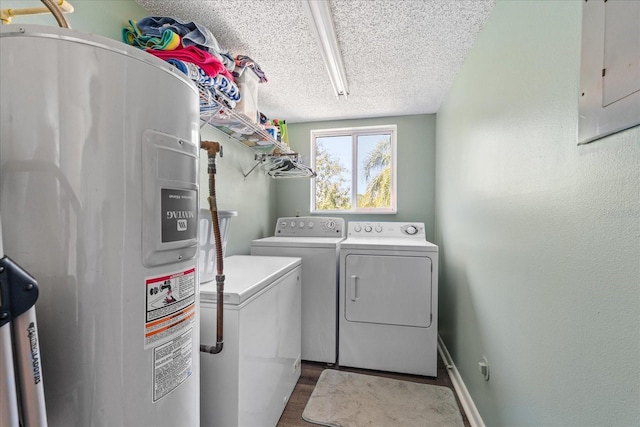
x: 374, y: 171
x: 355, y: 170
x: 333, y: 165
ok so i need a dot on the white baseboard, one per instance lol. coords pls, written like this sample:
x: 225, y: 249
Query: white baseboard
x: 461, y: 390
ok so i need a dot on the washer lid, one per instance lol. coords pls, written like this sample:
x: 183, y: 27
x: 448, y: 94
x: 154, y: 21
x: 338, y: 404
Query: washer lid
x: 299, y: 242
x: 388, y: 243
x: 247, y: 275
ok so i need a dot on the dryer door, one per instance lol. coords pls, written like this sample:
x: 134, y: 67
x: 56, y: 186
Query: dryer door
x: 391, y: 290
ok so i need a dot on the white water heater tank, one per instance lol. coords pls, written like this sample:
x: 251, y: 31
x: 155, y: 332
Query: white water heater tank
x: 99, y: 202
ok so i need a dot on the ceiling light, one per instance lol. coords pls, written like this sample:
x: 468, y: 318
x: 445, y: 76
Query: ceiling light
x: 319, y: 14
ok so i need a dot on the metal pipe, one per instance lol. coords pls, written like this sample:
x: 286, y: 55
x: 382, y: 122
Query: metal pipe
x: 20, y: 365
x: 212, y: 149
x: 9, y: 403
x: 31, y: 389
x: 9, y: 412
x: 56, y: 8
x: 56, y: 11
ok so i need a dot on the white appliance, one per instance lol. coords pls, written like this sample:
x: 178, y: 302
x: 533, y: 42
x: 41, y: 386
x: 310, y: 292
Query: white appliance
x: 316, y: 240
x: 249, y: 382
x: 99, y: 202
x: 389, y: 298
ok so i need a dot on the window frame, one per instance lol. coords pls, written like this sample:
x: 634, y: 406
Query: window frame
x: 354, y: 132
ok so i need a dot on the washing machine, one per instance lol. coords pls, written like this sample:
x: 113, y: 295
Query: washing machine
x: 316, y: 240
x: 250, y: 381
x: 388, y: 298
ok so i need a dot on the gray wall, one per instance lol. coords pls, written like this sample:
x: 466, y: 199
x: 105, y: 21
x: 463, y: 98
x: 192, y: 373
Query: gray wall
x: 416, y: 169
x: 539, y: 237
x: 253, y: 198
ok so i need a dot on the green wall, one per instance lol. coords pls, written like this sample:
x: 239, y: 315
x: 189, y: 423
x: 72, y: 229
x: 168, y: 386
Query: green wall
x: 103, y: 17
x: 416, y: 169
x: 539, y: 237
x: 253, y: 198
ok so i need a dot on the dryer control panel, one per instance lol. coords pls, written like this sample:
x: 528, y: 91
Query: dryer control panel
x: 413, y: 230
x: 310, y: 226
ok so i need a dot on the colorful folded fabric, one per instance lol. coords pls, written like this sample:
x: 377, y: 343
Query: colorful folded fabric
x: 192, y: 33
x: 180, y: 65
x: 211, y: 65
x: 132, y: 35
x: 220, y: 83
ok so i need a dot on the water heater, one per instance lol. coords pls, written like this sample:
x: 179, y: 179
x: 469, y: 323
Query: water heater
x: 99, y: 202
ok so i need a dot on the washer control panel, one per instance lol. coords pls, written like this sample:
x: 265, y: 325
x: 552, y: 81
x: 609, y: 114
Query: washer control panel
x: 387, y: 229
x: 310, y: 226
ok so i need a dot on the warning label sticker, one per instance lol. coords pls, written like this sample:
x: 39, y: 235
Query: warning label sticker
x: 172, y: 364
x: 170, y: 305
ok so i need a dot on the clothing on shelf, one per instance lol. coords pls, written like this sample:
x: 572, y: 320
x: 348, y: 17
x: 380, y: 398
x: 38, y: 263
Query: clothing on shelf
x: 203, y: 59
x: 192, y: 49
x: 192, y: 34
x: 197, y: 74
x: 132, y: 35
x: 243, y: 61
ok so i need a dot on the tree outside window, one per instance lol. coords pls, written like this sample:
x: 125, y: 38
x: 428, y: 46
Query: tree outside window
x: 355, y: 170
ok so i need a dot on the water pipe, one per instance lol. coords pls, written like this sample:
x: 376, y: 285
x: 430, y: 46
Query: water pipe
x: 56, y: 7
x: 212, y: 148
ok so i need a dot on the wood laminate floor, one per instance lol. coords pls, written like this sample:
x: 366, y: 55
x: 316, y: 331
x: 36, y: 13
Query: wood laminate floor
x: 292, y: 415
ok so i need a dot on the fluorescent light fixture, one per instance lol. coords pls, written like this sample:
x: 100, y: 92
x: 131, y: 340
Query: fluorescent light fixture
x: 319, y: 14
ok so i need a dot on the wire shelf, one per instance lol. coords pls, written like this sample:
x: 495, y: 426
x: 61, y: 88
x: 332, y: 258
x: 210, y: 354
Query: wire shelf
x: 276, y: 158
x: 215, y: 110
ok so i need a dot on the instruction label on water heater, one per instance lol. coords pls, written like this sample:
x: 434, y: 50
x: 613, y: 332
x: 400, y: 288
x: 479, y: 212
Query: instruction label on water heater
x: 172, y: 364
x: 170, y: 305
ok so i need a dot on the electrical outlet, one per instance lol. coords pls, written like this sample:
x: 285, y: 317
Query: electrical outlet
x: 483, y: 365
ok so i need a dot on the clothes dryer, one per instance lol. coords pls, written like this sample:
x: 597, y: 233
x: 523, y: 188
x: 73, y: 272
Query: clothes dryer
x: 316, y: 240
x: 388, y: 298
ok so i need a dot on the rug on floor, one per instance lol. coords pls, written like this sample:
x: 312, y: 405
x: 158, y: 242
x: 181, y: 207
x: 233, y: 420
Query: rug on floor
x: 346, y: 399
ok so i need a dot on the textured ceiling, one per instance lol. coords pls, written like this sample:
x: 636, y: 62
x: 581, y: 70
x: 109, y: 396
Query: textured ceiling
x: 401, y: 56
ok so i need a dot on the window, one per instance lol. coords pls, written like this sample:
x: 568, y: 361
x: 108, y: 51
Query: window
x: 356, y: 170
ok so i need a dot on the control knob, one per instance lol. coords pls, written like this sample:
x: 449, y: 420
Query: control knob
x: 357, y: 229
x: 368, y: 228
x: 412, y: 230
x: 378, y: 229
